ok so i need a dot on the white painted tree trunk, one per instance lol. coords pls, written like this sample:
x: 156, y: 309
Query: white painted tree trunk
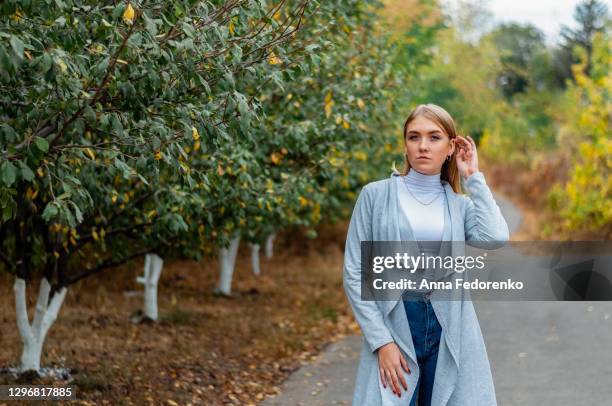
x: 33, y: 336
x: 255, y: 259
x: 270, y: 245
x: 227, y: 261
x: 152, y: 271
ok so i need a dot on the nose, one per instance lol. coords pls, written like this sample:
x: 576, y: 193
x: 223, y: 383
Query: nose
x: 423, y: 145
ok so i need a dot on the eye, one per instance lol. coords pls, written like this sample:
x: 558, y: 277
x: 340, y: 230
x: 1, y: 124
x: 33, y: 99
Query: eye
x: 436, y: 137
x: 412, y: 137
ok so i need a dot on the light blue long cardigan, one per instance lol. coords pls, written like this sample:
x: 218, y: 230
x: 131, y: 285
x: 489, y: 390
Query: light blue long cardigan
x: 463, y: 374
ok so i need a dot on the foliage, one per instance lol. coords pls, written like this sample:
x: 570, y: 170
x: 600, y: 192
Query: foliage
x: 584, y: 202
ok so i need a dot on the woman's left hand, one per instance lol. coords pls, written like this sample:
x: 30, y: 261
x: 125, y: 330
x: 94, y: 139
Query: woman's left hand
x: 466, y: 158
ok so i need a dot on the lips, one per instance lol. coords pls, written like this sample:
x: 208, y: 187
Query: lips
x: 423, y: 157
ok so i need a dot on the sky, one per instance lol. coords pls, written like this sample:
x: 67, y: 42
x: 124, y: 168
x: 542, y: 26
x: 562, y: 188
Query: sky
x: 547, y: 15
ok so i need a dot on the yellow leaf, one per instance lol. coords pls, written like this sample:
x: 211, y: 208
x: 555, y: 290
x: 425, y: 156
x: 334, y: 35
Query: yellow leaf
x: 273, y: 59
x: 346, y: 124
x: 275, y: 158
x: 360, y: 104
x: 90, y: 153
x: 231, y: 27
x: 94, y: 234
x: 328, y: 109
x: 128, y: 14
x: 195, y: 134
x: 158, y: 155
x: 17, y: 16
x: 62, y: 65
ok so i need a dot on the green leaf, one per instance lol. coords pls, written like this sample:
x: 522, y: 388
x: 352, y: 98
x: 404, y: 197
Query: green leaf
x: 77, y: 212
x: 188, y: 30
x: 17, y: 45
x: 8, y: 173
x: 89, y: 114
x: 26, y: 172
x: 150, y: 24
x: 50, y: 211
x: 42, y: 144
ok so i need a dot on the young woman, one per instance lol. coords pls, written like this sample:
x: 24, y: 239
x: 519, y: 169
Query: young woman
x: 426, y: 351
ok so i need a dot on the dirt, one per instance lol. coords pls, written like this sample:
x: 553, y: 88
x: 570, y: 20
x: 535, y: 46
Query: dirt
x: 205, y: 349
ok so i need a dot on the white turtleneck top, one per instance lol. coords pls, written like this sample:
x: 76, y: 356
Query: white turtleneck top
x: 426, y: 220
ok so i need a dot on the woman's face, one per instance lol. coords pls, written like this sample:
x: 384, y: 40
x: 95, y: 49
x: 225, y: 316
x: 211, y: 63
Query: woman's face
x: 427, y: 146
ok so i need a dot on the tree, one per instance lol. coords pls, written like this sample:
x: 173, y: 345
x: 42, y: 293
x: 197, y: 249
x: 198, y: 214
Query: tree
x: 100, y: 106
x: 518, y: 46
x: 583, y: 204
x: 591, y: 16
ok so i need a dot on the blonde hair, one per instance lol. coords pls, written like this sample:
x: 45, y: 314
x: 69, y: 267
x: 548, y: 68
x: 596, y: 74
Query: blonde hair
x: 437, y: 114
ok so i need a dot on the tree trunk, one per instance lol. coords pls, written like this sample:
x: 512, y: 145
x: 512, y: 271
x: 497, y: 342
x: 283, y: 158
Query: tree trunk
x: 255, y: 259
x: 33, y: 336
x: 227, y: 262
x: 152, y: 271
x: 269, y: 245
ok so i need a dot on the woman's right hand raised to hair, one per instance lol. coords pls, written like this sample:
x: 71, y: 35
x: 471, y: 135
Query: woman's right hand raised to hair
x: 390, y: 363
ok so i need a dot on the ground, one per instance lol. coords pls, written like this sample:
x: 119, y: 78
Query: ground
x: 205, y: 349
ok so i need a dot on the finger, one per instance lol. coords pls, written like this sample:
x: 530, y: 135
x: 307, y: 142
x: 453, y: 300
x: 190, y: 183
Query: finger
x: 464, y: 144
x: 382, y: 377
x: 404, y: 364
x: 396, y: 384
x: 472, y: 141
x: 401, y: 378
x: 389, y: 380
x: 389, y: 377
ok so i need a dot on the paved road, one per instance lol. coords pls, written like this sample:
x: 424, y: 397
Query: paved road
x: 541, y: 354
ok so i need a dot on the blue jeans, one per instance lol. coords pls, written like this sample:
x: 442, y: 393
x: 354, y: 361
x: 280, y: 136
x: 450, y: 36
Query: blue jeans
x: 426, y: 332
